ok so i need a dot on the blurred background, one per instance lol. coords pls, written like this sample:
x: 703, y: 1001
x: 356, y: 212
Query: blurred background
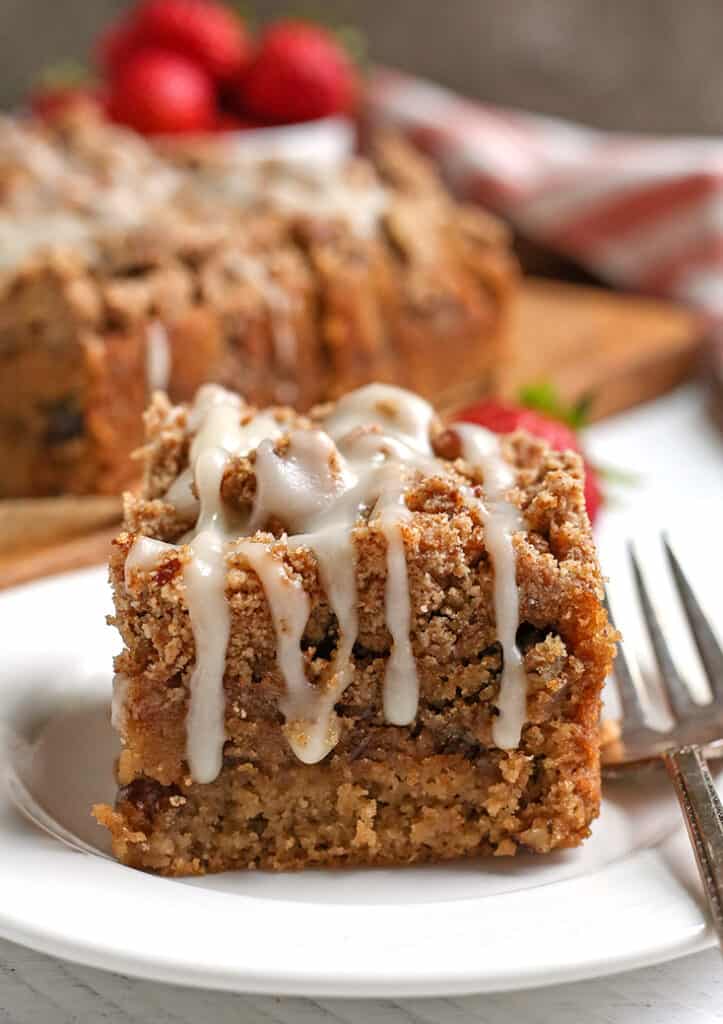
x: 643, y: 65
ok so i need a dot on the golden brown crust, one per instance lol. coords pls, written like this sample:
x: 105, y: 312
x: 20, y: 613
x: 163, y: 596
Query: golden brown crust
x: 72, y: 385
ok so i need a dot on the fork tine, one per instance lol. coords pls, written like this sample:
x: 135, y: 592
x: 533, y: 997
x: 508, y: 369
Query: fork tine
x: 629, y: 692
x: 681, y: 703
x: 709, y: 649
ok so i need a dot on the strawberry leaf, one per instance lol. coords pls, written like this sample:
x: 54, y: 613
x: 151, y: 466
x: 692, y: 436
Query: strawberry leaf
x: 616, y: 475
x: 543, y: 397
x: 64, y: 74
x: 354, y: 41
x: 246, y: 11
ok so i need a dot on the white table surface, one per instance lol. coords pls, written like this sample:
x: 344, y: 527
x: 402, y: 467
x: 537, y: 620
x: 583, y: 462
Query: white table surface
x: 35, y: 989
x: 654, y: 441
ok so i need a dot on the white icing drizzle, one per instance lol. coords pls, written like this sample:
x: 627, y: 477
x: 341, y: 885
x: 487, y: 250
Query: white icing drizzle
x: 314, y: 491
x: 319, y: 483
x: 205, y: 578
x: 107, y: 179
x: 68, y: 195
x: 278, y: 302
x: 217, y: 417
x: 118, y: 702
x: 215, y: 420
x: 299, y: 486
x: 316, y: 191
x: 158, y: 357
x: 325, y: 194
x: 220, y: 435
x: 401, y: 685
x: 180, y: 495
x: 399, y: 414
x: 145, y: 554
x: 502, y: 520
x: 311, y: 726
x: 336, y: 557
x: 318, y: 486
x: 22, y: 235
x: 405, y: 421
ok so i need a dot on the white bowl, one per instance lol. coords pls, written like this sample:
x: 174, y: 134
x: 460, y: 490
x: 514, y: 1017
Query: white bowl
x: 327, y: 141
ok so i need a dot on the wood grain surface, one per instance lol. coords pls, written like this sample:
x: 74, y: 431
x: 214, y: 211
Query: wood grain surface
x: 63, y: 556
x: 36, y: 522
x: 36, y: 989
x: 620, y: 350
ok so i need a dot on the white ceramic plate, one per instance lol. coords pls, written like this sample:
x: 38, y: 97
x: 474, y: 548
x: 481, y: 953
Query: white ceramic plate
x: 629, y: 897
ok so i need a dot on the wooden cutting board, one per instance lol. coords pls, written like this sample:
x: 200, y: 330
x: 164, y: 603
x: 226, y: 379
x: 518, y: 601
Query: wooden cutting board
x: 61, y: 556
x: 620, y: 350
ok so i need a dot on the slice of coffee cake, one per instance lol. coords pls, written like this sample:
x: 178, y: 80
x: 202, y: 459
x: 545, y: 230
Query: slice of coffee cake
x: 357, y: 636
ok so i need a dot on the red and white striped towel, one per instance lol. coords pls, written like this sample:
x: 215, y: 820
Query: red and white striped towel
x: 641, y: 212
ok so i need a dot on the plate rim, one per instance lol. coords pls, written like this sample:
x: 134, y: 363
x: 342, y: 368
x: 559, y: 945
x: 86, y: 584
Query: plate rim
x: 105, y: 953
x: 326, y: 987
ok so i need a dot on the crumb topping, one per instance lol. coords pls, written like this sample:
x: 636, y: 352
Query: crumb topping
x: 315, y: 483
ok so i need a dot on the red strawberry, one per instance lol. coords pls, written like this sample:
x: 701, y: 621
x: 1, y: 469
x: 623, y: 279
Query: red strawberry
x: 505, y: 417
x: 116, y: 45
x: 49, y: 101
x: 204, y: 31
x: 594, y: 498
x: 160, y: 93
x: 299, y: 73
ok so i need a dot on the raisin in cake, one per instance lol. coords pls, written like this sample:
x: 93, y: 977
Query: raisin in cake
x: 352, y: 637
x: 123, y: 271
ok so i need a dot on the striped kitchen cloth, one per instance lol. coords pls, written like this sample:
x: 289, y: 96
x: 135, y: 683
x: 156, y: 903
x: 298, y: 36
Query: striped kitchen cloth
x: 641, y: 212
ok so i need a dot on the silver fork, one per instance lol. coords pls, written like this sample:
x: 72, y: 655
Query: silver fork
x: 697, y: 732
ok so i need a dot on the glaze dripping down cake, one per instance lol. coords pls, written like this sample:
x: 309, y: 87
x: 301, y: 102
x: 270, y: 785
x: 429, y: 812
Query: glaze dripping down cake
x: 357, y: 636
x: 122, y: 272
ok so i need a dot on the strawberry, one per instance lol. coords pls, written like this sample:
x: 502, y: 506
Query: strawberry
x: 506, y: 417
x: 203, y: 31
x: 594, y: 498
x: 116, y: 45
x: 61, y: 87
x: 49, y: 101
x: 158, y: 93
x: 299, y: 73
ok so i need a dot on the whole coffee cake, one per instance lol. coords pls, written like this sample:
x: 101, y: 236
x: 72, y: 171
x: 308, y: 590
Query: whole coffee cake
x: 123, y: 271
x: 356, y: 636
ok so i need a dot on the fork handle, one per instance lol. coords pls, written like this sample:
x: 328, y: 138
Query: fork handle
x: 703, y: 815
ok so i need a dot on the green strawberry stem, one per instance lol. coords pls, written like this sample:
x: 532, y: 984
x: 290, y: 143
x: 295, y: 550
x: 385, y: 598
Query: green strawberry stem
x: 543, y: 397
x: 246, y: 11
x: 616, y: 475
x: 64, y: 74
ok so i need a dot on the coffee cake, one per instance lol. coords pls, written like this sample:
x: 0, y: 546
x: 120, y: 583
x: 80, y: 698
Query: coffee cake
x: 358, y: 636
x: 124, y: 271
